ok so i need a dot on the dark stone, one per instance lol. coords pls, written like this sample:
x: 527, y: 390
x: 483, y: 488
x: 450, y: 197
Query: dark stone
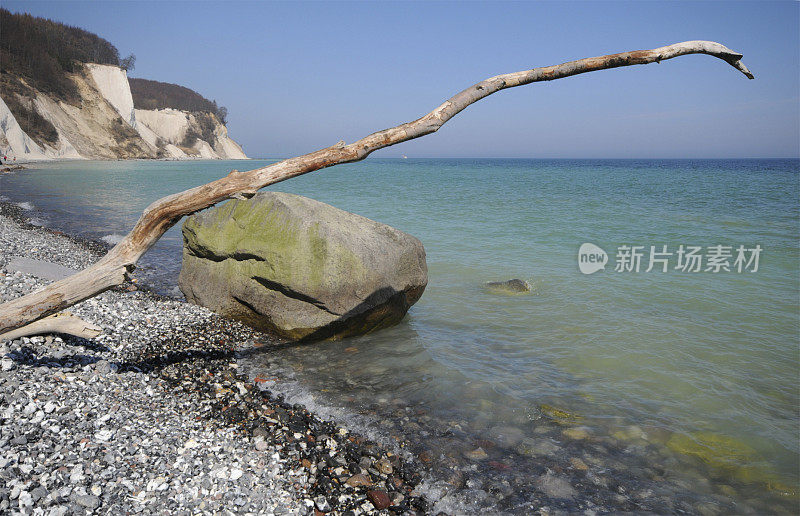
x: 379, y: 499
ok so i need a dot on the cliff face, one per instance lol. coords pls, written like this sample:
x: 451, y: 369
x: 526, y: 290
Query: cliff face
x: 15, y: 142
x: 175, y: 128
x: 112, y: 83
x: 103, y: 124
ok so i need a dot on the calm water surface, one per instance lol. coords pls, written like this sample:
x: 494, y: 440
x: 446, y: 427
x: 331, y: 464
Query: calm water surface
x: 693, y: 374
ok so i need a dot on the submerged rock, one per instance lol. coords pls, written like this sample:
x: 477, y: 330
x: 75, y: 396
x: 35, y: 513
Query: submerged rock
x: 577, y: 433
x: 476, y: 454
x: 578, y: 464
x: 559, y: 416
x: 537, y: 447
x: 555, y: 487
x: 512, y: 286
x: 300, y: 268
x: 506, y: 436
x: 732, y: 457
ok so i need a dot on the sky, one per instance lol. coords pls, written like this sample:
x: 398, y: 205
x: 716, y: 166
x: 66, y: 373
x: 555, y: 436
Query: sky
x: 300, y: 76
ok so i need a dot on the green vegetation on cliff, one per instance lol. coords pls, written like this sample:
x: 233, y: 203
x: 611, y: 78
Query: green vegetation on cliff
x: 149, y: 94
x: 37, y: 54
x: 42, y: 52
x: 40, y: 55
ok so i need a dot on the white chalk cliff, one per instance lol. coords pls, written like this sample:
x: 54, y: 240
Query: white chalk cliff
x: 105, y: 125
x: 112, y: 83
x: 16, y: 144
x: 171, y: 125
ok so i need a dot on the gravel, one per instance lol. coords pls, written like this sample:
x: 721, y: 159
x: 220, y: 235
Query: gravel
x: 153, y: 416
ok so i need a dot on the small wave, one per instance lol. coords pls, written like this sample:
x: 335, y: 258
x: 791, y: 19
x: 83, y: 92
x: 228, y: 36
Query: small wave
x: 36, y: 221
x: 294, y: 391
x: 25, y: 205
x: 113, y: 238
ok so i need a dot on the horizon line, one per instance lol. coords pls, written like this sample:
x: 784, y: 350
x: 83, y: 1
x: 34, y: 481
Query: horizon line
x: 552, y: 158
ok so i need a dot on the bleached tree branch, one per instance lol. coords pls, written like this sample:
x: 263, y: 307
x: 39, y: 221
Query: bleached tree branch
x: 166, y: 212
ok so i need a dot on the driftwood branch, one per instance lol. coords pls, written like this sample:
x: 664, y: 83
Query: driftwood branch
x: 59, y: 323
x: 111, y: 270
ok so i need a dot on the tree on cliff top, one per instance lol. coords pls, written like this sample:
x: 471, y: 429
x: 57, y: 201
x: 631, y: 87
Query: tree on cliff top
x: 42, y: 51
x: 149, y: 94
x: 129, y: 63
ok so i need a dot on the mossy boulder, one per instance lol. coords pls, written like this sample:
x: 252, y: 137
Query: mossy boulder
x: 300, y: 268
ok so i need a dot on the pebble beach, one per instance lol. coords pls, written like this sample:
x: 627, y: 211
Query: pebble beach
x: 154, y: 417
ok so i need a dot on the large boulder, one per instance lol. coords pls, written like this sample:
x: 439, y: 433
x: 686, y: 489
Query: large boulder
x: 300, y: 268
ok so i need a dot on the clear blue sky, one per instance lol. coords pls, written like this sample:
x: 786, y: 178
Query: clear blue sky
x: 299, y: 76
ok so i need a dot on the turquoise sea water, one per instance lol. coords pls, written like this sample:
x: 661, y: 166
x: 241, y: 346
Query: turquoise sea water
x: 695, y: 371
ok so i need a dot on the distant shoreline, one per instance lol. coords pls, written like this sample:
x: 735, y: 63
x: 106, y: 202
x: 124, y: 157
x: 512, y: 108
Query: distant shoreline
x: 398, y: 158
x: 80, y: 160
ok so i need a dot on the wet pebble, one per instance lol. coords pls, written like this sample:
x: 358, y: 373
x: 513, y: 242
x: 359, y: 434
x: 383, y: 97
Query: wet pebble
x: 380, y: 499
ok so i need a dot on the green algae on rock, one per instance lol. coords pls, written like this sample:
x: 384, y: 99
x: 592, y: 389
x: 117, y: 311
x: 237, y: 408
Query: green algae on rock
x: 730, y: 457
x: 716, y: 450
x: 510, y: 287
x: 300, y: 268
x: 560, y: 416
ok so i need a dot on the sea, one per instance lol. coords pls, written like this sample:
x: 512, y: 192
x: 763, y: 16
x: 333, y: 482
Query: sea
x: 653, y: 366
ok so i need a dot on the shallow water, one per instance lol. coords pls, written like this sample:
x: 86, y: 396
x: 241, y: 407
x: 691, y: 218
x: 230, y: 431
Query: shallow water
x: 695, y: 374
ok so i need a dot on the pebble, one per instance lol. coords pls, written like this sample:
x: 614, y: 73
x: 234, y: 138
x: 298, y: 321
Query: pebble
x: 384, y: 466
x: 576, y: 433
x: 322, y: 504
x: 24, y: 499
x: 578, y: 464
x: 380, y: 499
x: 104, y: 435
x: 538, y: 447
x: 88, y: 501
x: 476, y: 454
x: 555, y: 487
x: 506, y: 436
x: 359, y: 480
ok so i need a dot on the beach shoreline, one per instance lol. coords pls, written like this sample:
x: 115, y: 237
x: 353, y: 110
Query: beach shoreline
x: 154, y: 415
x: 22, y: 164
